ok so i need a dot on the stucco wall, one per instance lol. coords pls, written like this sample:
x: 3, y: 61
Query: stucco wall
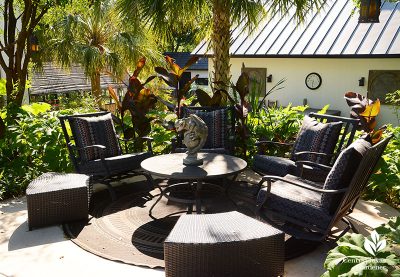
x: 338, y: 77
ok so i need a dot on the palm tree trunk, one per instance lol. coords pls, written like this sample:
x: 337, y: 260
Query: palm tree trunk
x: 96, y: 89
x: 220, y: 42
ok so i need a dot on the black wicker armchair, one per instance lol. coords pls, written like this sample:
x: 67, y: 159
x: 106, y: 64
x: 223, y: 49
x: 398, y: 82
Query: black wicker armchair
x: 319, y: 142
x: 95, y: 149
x: 309, y: 210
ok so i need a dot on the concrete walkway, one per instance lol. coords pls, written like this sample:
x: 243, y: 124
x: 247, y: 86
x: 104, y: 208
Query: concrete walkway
x: 46, y: 252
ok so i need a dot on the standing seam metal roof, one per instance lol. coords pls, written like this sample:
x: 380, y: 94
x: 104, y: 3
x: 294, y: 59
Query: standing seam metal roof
x: 54, y: 79
x: 333, y: 32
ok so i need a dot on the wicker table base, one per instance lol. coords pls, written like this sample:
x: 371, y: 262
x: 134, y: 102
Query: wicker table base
x: 224, y: 244
x: 57, y: 198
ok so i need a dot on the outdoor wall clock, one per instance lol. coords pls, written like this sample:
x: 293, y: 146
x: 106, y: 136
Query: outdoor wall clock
x: 313, y: 80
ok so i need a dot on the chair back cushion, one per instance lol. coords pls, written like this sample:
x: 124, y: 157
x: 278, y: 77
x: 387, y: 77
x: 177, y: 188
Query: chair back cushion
x: 94, y: 130
x: 217, y: 123
x: 316, y: 136
x: 343, y: 171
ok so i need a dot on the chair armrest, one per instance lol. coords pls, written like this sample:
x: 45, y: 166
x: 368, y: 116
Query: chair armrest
x: 174, y: 144
x: 149, y: 140
x: 260, y: 142
x: 297, y: 154
x: 275, y: 143
x: 313, y: 164
x: 99, y: 146
x: 269, y: 179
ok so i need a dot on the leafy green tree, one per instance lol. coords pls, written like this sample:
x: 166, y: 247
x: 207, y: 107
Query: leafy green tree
x: 20, y: 18
x: 101, y: 40
x: 215, y: 17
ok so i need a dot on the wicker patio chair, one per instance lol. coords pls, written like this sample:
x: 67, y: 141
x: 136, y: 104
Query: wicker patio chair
x: 308, y: 210
x: 95, y: 150
x: 221, y: 129
x: 319, y: 141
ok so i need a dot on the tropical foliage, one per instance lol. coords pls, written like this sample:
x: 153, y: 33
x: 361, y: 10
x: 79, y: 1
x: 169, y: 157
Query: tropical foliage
x: 374, y: 255
x: 100, y: 40
x: 172, y: 76
x: 384, y: 185
x: 20, y: 19
x: 279, y: 124
x: 216, y: 18
x: 393, y: 98
x: 138, y: 100
x: 366, y: 110
x: 33, y: 144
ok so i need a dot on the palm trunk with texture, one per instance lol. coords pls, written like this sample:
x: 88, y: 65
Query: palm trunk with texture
x: 220, y: 40
x: 96, y: 89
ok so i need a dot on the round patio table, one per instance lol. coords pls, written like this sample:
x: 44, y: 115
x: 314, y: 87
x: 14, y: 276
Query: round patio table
x: 171, y: 166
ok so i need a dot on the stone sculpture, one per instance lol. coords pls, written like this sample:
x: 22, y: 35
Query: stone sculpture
x: 194, y: 137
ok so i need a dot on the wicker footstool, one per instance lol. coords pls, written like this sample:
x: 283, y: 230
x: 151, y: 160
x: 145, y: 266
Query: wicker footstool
x: 54, y: 198
x: 224, y: 244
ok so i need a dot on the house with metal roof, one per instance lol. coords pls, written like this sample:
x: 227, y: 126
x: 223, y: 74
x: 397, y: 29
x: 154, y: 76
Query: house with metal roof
x: 53, y: 79
x: 324, y: 57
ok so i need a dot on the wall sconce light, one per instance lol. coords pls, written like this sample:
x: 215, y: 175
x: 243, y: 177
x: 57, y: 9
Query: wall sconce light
x: 369, y: 11
x: 361, y: 82
x: 269, y: 78
x: 34, y: 43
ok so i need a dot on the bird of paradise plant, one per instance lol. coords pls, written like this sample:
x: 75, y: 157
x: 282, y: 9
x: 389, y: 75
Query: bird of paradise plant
x: 138, y: 100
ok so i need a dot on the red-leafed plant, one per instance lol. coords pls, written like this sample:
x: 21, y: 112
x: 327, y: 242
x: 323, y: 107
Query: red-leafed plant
x: 366, y: 110
x: 172, y: 76
x: 138, y: 100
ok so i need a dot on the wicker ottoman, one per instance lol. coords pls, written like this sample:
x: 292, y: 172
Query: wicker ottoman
x: 224, y: 244
x: 54, y: 198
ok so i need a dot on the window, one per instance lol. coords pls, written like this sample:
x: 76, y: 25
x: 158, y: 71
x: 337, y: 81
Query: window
x: 202, y: 81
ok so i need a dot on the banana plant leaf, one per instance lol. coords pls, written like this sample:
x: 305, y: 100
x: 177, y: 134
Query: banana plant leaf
x: 363, y: 108
x: 171, y: 76
x: 206, y: 100
x: 242, y: 86
x: 182, y: 92
x: 139, y: 66
x: 114, y: 96
x: 138, y: 100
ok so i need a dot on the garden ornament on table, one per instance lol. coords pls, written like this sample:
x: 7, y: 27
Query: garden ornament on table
x: 194, y: 138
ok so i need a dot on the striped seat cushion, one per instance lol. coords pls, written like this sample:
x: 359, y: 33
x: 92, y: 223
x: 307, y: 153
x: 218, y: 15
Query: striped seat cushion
x: 96, y: 130
x: 318, y: 137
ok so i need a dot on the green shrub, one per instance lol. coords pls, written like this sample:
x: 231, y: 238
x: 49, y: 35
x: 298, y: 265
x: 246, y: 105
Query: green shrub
x: 375, y: 255
x: 274, y: 124
x: 162, y: 131
x: 33, y: 144
x: 384, y: 184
